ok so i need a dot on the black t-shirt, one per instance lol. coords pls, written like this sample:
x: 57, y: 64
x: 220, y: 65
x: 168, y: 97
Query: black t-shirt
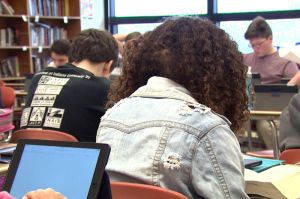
x: 68, y: 99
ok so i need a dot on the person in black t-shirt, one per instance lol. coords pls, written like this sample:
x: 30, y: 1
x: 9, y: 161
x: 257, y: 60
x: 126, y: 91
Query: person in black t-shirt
x: 72, y: 97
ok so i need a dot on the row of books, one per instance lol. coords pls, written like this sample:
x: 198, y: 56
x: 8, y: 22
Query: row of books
x: 49, y: 7
x: 45, y: 35
x: 6, y: 8
x: 40, y: 62
x: 9, y: 67
x: 7, y: 37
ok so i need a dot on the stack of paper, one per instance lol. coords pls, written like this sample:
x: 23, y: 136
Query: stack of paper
x: 278, y: 182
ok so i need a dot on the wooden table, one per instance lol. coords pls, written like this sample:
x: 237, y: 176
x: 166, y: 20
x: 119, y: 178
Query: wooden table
x: 270, y: 116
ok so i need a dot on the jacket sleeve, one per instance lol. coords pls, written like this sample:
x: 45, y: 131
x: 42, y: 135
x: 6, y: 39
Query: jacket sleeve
x: 289, y: 132
x: 217, y: 168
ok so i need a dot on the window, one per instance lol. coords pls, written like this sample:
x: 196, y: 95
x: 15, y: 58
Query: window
x: 159, y: 7
x: 237, y: 29
x: 234, y: 6
x: 142, y: 28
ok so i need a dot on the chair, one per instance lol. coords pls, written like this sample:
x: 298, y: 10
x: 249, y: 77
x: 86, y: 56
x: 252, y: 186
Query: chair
x: 8, y: 96
x: 125, y: 190
x: 290, y: 156
x: 41, y: 134
x: 7, y: 100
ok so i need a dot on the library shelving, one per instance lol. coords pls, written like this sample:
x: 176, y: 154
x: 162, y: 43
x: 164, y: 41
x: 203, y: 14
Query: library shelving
x: 28, y: 28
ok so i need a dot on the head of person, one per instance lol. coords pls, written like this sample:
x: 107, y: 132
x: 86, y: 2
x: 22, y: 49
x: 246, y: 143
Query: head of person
x: 95, y: 48
x: 60, y: 52
x: 260, y: 37
x: 132, y: 35
x: 194, y: 53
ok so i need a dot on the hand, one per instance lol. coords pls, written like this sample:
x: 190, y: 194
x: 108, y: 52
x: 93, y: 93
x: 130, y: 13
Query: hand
x: 5, y: 195
x: 44, y: 194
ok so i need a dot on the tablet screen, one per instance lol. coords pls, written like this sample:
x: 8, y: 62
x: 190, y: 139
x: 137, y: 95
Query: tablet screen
x: 68, y: 170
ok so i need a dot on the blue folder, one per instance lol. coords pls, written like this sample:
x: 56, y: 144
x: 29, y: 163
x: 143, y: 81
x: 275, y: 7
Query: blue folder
x: 266, y: 164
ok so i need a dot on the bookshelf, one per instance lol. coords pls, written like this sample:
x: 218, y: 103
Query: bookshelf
x: 27, y: 33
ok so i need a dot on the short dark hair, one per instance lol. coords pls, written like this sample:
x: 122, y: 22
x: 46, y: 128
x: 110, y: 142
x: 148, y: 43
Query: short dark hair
x: 61, y: 47
x: 258, y: 28
x: 94, y: 45
x: 132, y: 35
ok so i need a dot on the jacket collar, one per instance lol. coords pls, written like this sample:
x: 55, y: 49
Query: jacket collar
x: 160, y: 87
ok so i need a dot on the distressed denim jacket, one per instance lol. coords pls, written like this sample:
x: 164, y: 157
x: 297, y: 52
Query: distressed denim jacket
x: 160, y: 135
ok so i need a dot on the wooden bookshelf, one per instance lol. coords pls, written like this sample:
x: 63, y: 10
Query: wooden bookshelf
x: 63, y: 15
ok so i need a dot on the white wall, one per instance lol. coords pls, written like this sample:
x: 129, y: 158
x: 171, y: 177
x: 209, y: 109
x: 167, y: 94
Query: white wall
x: 97, y: 20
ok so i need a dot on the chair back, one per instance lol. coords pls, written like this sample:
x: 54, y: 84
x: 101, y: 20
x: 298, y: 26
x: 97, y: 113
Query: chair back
x: 8, y: 96
x: 41, y: 134
x: 125, y: 190
x: 290, y: 156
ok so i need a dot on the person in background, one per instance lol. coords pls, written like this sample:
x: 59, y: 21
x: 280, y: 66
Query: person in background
x: 60, y: 50
x: 71, y: 98
x: 266, y: 61
x: 289, y: 132
x: 177, y: 106
x: 122, y: 39
x: 295, y: 80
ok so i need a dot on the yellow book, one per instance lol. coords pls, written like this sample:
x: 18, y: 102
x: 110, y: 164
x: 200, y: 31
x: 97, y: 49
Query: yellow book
x: 278, y: 182
x: 67, y: 8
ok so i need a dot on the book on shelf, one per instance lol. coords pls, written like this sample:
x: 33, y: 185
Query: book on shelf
x: 7, y: 36
x: 277, y: 182
x: 44, y: 35
x: 9, y: 67
x: 6, y: 8
x: 49, y: 7
x: 40, y: 62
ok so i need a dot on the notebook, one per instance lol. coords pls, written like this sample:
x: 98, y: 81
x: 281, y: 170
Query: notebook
x: 75, y: 169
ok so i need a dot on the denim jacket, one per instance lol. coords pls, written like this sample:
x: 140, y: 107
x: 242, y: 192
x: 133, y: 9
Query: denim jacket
x: 160, y: 135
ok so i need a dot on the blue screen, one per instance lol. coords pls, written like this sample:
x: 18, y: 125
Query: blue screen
x: 68, y: 170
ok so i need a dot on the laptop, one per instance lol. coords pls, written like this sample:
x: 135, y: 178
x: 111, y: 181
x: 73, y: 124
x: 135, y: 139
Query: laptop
x: 273, y: 97
x: 74, y: 169
x: 256, y: 78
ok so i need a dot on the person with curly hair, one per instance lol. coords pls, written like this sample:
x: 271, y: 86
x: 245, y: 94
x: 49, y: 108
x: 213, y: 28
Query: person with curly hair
x: 176, y: 108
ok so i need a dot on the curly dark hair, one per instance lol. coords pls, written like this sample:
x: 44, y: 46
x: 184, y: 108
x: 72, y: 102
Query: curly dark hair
x: 194, y: 53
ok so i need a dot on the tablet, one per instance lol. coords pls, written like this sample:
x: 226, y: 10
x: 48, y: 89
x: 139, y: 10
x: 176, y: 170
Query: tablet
x: 250, y: 163
x: 74, y: 169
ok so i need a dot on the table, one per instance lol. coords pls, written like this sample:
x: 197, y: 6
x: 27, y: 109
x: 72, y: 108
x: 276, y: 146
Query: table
x: 4, y: 166
x: 270, y: 116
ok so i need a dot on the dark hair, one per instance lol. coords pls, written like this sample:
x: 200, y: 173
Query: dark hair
x: 94, y: 45
x: 194, y: 53
x: 61, y: 47
x: 258, y: 28
x: 132, y: 35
